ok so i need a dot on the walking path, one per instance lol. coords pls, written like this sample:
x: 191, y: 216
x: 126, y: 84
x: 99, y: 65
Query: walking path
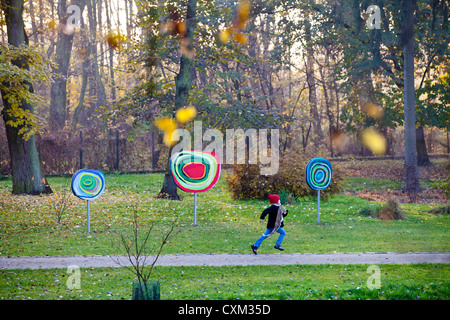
x: 228, y: 259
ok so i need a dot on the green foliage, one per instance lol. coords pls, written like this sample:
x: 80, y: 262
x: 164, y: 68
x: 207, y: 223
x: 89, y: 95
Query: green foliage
x: 19, y: 67
x: 225, y: 90
x: 247, y: 183
x: 370, y: 68
x: 434, y: 108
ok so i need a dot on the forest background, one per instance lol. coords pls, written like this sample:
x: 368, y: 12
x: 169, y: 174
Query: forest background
x: 330, y: 75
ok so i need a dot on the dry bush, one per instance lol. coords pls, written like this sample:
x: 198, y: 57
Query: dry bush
x: 390, y: 211
x: 247, y: 183
x: 441, y: 209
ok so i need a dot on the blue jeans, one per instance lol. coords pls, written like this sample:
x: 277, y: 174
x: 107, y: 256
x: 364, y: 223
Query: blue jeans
x: 265, y: 235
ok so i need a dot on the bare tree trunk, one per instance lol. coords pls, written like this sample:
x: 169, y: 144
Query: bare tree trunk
x: 84, y: 81
x: 41, y: 23
x: 98, y: 82
x: 58, y: 90
x: 100, y: 28
x: 111, y: 54
x: 311, y: 80
x: 421, y: 148
x: 33, y: 22
x: 411, y: 176
x: 328, y: 101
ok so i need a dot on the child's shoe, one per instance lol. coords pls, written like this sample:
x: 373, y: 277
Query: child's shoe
x: 277, y: 246
x: 254, y: 248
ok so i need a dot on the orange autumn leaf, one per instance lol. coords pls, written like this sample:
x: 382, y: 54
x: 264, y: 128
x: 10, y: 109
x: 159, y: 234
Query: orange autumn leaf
x: 241, y: 38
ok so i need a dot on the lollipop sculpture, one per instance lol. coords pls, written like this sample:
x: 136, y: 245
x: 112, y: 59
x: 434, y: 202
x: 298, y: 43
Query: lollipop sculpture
x: 318, y: 177
x: 195, y: 171
x: 88, y: 185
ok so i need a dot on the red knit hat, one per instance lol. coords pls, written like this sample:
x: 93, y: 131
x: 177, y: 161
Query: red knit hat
x: 273, y: 198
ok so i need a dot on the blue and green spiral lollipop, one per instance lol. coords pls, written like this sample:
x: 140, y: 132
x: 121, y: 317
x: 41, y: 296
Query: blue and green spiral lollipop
x: 318, y: 173
x: 88, y: 184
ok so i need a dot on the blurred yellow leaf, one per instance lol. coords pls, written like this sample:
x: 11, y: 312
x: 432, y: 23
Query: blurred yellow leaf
x: 186, y: 114
x: 224, y: 35
x: 374, y: 141
x: 171, y: 137
x: 115, y: 40
x: 241, y: 38
x: 373, y: 110
x: 243, y: 13
x: 166, y: 124
x: 444, y: 78
x: 180, y: 28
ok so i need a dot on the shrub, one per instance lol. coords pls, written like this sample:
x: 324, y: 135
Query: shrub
x: 246, y: 182
x: 286, y: 197
x: 441, y: 209
x: 390, y: 211
x: 445, y: 187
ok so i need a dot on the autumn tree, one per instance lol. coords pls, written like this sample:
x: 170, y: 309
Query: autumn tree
x: 18, y: 98
x: 183, y: 83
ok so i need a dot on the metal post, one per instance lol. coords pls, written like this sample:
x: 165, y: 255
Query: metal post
x: 117, y: 150
x: 88, y: 217
x: 195, y: 208
x: 318, y: 206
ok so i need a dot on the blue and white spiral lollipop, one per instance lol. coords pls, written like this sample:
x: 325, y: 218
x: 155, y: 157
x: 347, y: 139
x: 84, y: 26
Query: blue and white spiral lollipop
x: 318, y: 173
x: 88, y: 184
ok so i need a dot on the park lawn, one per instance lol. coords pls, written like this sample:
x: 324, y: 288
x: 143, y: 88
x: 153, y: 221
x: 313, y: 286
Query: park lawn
x: 296, y: 282
x: 28, y: 224
x: 355, y: 184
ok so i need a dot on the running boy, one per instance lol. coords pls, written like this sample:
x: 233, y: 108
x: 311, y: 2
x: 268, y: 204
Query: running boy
x: 275, y: 224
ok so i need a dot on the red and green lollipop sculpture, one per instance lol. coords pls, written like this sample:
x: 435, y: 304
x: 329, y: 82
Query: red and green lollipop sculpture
x: 195, y: 171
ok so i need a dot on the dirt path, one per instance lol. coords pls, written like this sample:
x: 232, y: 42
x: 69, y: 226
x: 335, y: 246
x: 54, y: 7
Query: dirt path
x: 229, y: 259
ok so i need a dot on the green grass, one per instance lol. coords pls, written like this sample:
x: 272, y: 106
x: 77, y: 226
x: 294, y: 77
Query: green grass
x: 361, y: 183
x: 28, y: 227
x: 405, y: 282
x: 355, y: 184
